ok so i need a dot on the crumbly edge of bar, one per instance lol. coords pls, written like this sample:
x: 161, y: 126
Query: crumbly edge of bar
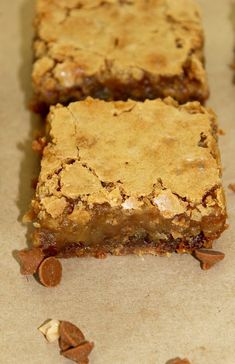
x: 133, y: 245
x: 182, y: 88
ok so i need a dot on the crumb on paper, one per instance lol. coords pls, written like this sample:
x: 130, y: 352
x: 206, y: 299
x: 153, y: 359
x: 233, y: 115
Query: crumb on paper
x: 221, y: 132
x: 231, y: 186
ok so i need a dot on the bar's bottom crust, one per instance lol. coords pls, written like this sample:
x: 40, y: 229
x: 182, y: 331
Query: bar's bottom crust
x: 131, y: 246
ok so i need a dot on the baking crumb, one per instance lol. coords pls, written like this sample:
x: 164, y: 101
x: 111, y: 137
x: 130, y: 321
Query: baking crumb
x: 221, y: 132
x: 231, y: 186
x: 39, y: 144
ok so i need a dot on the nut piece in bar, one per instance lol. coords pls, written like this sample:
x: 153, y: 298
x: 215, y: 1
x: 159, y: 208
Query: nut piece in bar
x: 77, y: 53
x: 129, y: 177
x: 208, y: 258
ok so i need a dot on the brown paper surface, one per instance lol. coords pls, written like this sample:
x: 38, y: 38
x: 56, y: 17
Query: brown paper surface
x: 137, y: 310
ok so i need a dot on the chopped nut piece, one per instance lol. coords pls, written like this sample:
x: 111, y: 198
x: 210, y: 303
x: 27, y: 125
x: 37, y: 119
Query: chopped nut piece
x: 208, y: 258
x: 50, y: 272
x: 80, y: 353
x: 70, y: 335
x: 30, y: 260
x: 178, y: 361
x: 51, y: 330
x: 231, y: 186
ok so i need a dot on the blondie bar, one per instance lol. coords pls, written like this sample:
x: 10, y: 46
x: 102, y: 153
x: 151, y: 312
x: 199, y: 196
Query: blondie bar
x: 129, y: 177
x: 118, y: 49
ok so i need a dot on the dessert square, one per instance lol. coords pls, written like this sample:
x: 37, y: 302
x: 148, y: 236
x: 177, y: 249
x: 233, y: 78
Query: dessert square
x: 129, y: 177
x: 118, y: 49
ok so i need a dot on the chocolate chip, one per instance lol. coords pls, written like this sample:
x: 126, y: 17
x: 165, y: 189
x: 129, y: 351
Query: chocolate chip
x: 178, y: 361
x: 63, y: 345
x: 50, y: 272
x: 70, y: 335
x: 80, y: 353
x: 30, y: 260
x: 208, y: 258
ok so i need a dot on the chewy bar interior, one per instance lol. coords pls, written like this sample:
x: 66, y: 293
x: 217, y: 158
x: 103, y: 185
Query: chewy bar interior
x: 118, y: 49
x: 129, y: 177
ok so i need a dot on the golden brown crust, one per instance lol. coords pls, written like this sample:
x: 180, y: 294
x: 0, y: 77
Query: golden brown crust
x: 155, y: 47
x: 115, y: 168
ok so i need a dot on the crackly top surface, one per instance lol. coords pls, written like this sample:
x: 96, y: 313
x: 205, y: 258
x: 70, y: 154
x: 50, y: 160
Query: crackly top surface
x: 124, y: 38
x: 123, y: 151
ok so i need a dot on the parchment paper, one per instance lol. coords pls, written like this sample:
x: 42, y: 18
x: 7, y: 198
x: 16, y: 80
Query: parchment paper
x: 137, y: 310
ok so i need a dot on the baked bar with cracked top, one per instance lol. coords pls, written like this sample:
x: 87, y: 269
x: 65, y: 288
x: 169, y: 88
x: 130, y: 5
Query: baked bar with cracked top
x: 129, y: 177
x: 118, y: 49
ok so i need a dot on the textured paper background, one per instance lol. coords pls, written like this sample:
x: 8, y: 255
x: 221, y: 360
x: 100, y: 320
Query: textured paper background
x: 137, y: 310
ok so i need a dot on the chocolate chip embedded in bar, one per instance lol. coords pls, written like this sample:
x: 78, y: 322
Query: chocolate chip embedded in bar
x: 152, y: 49
x: 129, y: 177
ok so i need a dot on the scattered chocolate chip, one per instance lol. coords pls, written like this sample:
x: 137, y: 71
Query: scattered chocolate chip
x: 70, y: 335
x: 231, y: 186
x: 178, y: 361
x: 232, y: 66
x: 80, y: 353
x: 208, y: 258
x: 30, y: 260
x: 50, y: 272
x: 63, y: 345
